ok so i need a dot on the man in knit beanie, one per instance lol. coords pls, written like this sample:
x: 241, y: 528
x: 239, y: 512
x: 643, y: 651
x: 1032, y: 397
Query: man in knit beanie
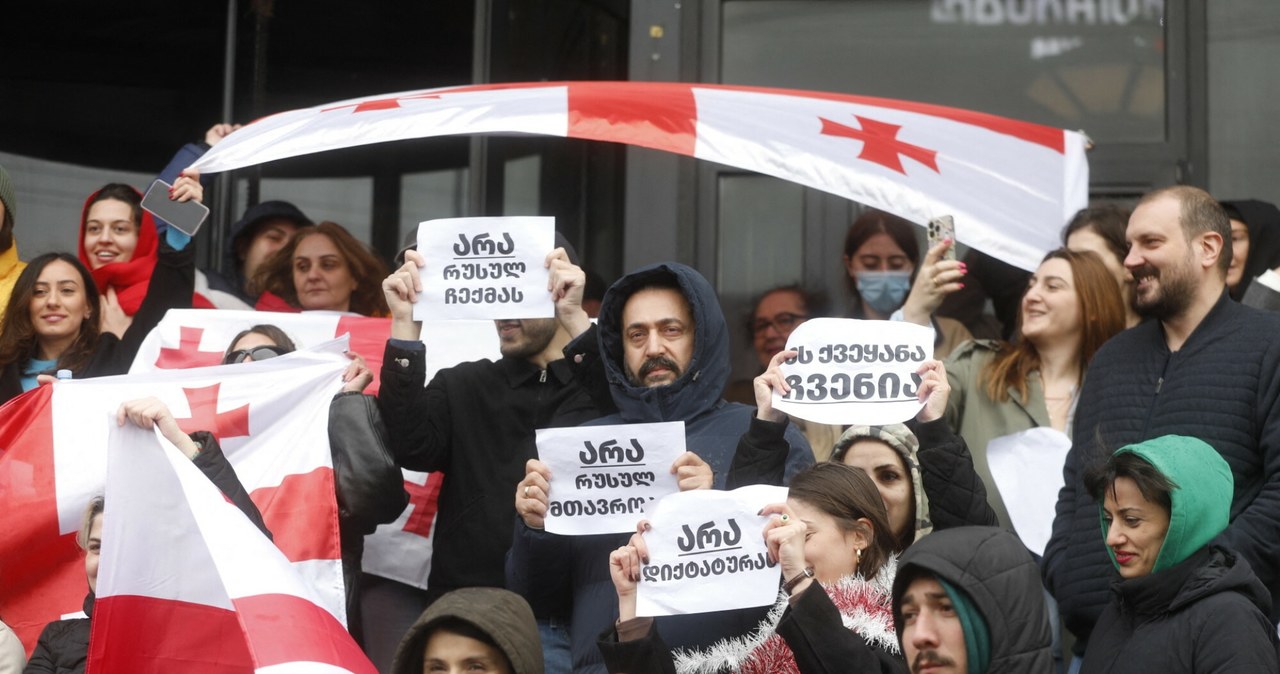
x: 10, y: 265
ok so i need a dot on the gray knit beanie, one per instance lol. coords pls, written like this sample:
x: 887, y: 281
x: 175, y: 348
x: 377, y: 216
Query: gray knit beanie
x: 900, y: 439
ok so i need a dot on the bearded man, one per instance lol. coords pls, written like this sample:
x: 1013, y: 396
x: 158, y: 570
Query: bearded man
x: 1200, y: 365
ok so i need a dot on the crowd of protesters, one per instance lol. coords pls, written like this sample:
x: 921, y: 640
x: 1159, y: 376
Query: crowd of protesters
x: 1147, y: 341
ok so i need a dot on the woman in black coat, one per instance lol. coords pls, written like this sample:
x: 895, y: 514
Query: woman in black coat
x: 1183, y: 604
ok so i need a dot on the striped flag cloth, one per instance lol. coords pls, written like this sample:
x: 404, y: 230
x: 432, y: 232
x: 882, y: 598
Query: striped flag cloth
x: 1009, y: 184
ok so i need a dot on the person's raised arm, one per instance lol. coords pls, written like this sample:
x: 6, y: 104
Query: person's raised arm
x: 201, y: 447
x: 566, y: 282
x: 935, y: 279
x: 761, y: 455
x: 401, y: 290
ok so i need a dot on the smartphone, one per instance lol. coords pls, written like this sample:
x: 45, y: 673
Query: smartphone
x: 941, y: 228
x: 185, y: 216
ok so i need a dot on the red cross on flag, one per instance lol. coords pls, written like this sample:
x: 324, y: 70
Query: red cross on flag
x: 187, y: 583
x: 399, y: 550
x: 1010, y: 185
x: 272, y: 421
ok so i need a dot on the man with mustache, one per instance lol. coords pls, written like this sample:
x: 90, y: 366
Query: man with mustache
x: 476, y: 421
x: 664, y: 346
x: 1200, y: 365
x: 967, y: 600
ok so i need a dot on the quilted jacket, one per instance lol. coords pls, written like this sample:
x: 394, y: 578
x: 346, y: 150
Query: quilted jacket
x: 1222, y: 386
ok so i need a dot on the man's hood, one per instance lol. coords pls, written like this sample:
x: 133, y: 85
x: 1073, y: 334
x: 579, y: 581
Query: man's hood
x: 993, y: 568
x: 501, y: 614
x: 1201, y: 498
x: 699, y: 387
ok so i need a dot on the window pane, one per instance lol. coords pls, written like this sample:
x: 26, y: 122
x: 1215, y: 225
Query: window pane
x: 1095, y: 65
x: 761, y: 242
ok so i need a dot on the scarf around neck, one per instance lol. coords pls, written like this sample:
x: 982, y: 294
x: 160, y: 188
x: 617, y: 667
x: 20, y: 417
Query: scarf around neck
x: 866, y: 607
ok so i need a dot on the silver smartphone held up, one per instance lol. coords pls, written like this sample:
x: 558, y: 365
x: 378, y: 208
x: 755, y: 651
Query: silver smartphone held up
x: 184, y: 216
x: 940, y: 229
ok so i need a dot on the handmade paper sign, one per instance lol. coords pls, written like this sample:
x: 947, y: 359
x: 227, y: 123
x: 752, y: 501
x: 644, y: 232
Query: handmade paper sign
x: 485, y: 268
x: 854, y: 372
x: 1027, y: 469
x: 707, y: 552
x: 603, y: 477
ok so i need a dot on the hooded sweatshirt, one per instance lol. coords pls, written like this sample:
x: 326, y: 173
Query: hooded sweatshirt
x: 544, y: 567
x: 500, y: 614
x: 996, y: 573
x: 1201, y: 609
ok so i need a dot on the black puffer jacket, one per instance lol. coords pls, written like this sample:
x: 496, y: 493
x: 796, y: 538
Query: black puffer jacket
x: 993, y: 568
x: 1207, y: 614
x: 63, y: 645
x: 1222, y: 386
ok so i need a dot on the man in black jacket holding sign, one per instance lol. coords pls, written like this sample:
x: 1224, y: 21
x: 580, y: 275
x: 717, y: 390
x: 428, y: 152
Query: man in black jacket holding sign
x: 475, y: 421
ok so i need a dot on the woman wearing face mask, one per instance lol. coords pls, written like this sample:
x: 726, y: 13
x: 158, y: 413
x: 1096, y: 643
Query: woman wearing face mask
x: 1184, y: 603
x: 880, y: 255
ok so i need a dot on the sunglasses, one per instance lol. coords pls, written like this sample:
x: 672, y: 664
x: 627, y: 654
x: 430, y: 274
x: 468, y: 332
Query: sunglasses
x: 256, y: 353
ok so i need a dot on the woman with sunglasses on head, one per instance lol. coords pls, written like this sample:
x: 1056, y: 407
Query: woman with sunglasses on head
x: 369, y: 484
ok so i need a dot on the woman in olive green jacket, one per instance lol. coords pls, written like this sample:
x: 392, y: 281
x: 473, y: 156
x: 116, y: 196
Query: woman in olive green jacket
x: 1071, y: 306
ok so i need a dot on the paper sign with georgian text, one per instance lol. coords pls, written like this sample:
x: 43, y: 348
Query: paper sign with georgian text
x: 851, y: 371
x: 485, y: 268
x: 707, y: 552
x: 603, y: 477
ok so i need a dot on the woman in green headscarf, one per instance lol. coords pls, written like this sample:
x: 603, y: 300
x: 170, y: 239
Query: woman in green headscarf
x: 1183, y: 604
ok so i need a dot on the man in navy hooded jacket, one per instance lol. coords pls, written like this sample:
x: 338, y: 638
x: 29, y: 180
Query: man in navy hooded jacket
x: 664, y: 344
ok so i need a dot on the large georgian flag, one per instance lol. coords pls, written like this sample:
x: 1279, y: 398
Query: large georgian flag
x: 186, y: 583
x: 399, y: 550
x: 1010, y: 185
x: 271, y: 419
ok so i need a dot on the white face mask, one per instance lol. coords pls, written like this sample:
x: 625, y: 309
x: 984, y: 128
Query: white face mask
x: 884, y: 291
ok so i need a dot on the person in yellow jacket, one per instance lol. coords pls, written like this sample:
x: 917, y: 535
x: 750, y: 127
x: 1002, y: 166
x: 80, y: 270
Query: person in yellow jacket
x: 10, y: 265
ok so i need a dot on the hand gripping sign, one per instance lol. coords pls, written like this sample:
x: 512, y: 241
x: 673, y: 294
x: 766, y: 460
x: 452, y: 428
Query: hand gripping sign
x: 603, y: 477
x: 485, y: 268
x: 707, y: 552
x: 852, y: 371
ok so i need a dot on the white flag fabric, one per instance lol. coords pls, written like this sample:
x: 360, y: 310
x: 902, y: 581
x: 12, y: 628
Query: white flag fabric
x: 187, y: 583
x: 1010, y: 185
x: 271, y: 419
x: 187, y: 338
